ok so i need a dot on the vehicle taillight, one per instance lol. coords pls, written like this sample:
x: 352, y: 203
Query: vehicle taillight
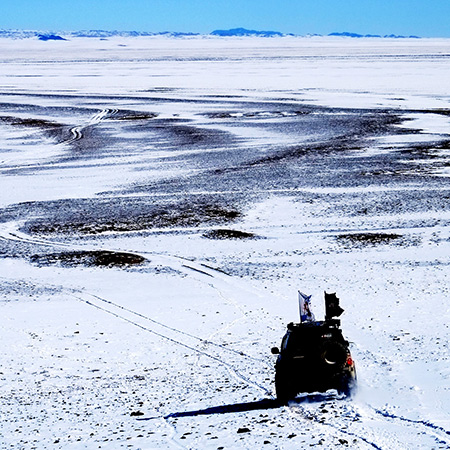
x: 349, y: 361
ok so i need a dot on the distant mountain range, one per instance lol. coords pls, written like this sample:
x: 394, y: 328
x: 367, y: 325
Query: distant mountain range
x: 245, y: 32
x: 356, y: 35
x: 102, y: 34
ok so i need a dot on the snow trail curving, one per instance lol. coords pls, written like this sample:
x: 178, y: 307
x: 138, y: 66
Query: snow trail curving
x: 77, y: 131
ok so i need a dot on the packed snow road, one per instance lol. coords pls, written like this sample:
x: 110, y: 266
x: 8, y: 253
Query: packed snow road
x: 153, y: 238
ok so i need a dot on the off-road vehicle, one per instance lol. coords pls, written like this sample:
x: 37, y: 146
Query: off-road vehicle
x: 314, y: 357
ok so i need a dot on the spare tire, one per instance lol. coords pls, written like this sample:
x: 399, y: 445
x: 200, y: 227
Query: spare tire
x: 333, y: 353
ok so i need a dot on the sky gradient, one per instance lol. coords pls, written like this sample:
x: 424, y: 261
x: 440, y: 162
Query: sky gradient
x: 426, y: 18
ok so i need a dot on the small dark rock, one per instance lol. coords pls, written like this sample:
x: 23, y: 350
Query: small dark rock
x: 136, y: 413
x: 243, y: 430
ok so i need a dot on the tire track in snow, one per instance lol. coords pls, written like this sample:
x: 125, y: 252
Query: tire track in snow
x: 428, y: 425
x: 384, y: 438
x: 76, y: 135
x: 217, y: 358
x: 77, y: 131
x: 378, y: 440
x: 9, y: 232
x: 206, y: 341
x: 294, y: 410
x: 173, y: 432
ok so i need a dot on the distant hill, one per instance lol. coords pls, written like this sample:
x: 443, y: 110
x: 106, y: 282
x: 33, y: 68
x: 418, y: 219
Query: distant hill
x: 245, y: 32
x: 50, y: 37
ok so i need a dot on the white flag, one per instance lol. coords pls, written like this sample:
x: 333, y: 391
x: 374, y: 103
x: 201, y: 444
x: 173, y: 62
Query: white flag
x: 304, y: 302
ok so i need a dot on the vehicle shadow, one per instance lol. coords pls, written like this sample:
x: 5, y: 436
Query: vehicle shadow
x: 266, y: 403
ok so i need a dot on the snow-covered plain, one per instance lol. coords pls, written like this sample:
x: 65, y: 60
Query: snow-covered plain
x: 131, y: 314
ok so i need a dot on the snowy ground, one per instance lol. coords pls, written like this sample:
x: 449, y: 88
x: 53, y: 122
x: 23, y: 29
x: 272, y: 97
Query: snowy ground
x: 131, y: 315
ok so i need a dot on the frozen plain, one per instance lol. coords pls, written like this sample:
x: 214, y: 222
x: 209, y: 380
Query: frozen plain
x: 131, y: 314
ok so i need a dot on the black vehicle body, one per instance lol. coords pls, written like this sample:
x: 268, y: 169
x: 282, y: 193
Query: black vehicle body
x: 314, y: 357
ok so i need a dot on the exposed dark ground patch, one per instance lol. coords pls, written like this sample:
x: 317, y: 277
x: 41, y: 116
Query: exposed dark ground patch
x: 223, y: 233
x: 90, y: 216
x: 29, y: 122
x: 132, y: 115
x: 441, y: 111
x: 94, y: 258
x: 372, y: 239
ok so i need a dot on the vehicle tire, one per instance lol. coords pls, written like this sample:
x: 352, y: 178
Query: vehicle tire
x: 284, y: 384
x: 347, y: 384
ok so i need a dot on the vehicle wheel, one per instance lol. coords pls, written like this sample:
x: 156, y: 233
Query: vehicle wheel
x: 347, y: 384
x: 284, y: 385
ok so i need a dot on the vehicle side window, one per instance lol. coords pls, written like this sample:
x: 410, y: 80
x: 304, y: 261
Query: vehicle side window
x: 284, y: 342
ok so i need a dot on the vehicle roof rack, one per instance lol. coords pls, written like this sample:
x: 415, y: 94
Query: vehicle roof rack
x: 330, y: 323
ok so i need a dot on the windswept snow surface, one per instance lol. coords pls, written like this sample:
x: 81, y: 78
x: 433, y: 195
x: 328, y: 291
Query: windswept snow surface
x: 162, y: 201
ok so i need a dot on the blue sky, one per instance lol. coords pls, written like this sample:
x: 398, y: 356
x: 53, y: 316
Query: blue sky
x: 427, y: 18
